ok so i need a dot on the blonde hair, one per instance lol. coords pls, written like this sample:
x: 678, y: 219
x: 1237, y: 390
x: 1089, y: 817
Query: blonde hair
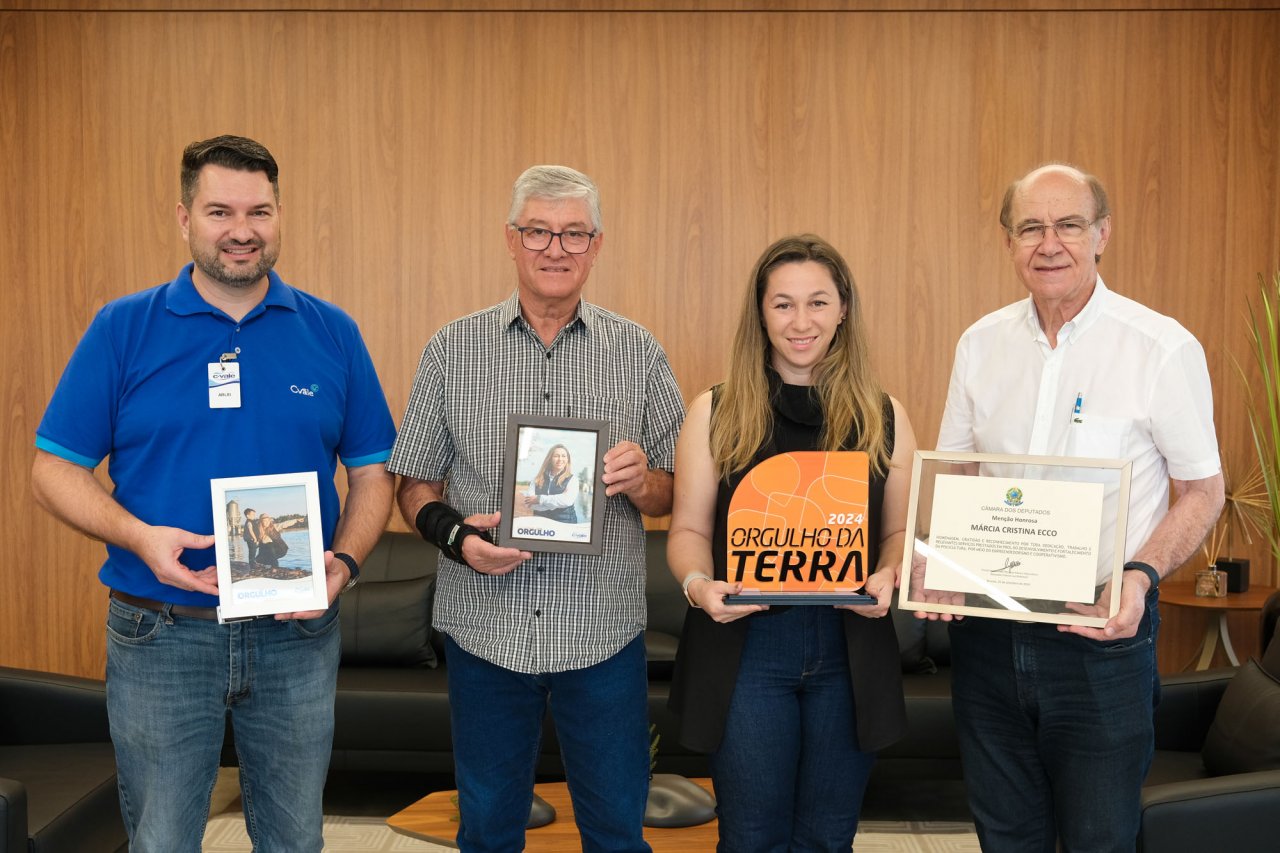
x: 540, y: 481
x: 851, y: 399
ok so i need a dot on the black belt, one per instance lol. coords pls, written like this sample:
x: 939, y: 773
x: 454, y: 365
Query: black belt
x: 207, y: 613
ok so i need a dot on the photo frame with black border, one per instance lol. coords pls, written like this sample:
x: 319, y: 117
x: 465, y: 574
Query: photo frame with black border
x: 269, y: 545
x: 552, y: 488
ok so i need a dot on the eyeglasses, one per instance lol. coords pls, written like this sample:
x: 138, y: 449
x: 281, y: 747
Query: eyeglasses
x: 538, y: 239
x: 1067, y: 230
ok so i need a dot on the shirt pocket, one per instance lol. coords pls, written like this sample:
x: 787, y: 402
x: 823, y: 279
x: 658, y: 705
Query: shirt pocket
x: 619, y: 412
x: 1098, y: 437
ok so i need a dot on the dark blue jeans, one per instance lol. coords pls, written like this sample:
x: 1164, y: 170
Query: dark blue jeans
x: 789, y: 775
x: 602, y: 722
x: 171, y: 682
x: 1056, y: 733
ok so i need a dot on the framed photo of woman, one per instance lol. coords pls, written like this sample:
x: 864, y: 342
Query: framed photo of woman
x: 268, y: 544
x: 552, y: 494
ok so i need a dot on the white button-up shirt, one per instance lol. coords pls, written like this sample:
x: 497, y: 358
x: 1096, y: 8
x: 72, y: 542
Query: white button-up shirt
x: 1140, y: 378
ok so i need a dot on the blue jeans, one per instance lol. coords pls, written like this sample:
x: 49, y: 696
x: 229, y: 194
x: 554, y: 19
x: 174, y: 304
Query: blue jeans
x: 789, y: 775
x: 172, y: 681
x: 1056, y: 733
x: 601, y: 714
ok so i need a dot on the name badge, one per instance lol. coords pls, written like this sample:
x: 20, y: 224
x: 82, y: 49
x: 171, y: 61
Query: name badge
x: 224, y: 385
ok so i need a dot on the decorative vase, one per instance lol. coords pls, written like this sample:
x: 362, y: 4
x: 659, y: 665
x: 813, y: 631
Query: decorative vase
x: 1211, y: 583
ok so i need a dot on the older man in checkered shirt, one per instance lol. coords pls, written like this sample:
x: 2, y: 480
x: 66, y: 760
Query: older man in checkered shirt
x: 523, y: 630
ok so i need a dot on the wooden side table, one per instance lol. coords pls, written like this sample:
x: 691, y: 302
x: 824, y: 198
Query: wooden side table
x: 1183, y: 594
x: 434, y: 819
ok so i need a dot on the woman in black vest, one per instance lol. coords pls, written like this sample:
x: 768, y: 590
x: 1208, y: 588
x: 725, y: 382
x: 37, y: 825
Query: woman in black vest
x: 792, y: 702
x: 554, y: 491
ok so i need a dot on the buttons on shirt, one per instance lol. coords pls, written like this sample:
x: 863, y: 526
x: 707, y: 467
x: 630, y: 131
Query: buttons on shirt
x: 546, y: 395
x: 537, y: 613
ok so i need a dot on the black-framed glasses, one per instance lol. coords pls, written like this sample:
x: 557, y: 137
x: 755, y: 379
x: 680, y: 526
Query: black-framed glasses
x: 538, y: 239
x: 1070, y: 230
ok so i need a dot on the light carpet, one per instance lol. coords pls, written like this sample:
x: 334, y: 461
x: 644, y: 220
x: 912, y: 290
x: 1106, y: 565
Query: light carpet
x: 226, y: 834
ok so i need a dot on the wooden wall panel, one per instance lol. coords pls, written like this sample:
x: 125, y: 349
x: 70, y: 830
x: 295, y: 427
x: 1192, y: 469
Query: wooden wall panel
x: 891, y: 132
x: 633, y: 5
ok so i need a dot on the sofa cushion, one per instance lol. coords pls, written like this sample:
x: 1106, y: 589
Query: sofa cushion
x: 664, y: 599
x: 1244, y: 736
x: 388, y: 624
x: 386, y: 617
x: 923, y: 645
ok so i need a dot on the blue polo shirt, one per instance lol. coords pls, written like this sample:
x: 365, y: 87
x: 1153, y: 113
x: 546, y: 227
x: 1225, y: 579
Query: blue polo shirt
x: 136, y: 390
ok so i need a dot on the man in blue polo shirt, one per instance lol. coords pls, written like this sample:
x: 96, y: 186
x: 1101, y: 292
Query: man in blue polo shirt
x: 138, y: 390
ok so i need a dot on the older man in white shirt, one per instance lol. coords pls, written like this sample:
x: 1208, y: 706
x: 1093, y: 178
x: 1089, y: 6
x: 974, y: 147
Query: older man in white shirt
x: 1055, y: 722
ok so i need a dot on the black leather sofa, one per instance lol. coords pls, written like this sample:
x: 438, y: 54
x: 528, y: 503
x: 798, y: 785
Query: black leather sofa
x: 57, y: 771
x: 392, y: 710
x: 1184, y: 806
x: 57, y: 775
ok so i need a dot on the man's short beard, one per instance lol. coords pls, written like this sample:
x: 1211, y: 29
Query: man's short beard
x: 242, y: 279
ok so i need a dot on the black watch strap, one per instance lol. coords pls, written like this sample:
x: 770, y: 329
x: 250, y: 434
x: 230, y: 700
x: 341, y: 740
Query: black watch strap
x: 352, y: 565
x: 1137, y: 566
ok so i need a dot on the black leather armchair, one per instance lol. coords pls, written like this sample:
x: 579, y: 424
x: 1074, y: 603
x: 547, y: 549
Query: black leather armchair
x: 1183, y: 806
x: 57, y: 769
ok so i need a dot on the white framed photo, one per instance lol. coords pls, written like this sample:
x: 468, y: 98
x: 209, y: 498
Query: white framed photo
x: 269, y: 545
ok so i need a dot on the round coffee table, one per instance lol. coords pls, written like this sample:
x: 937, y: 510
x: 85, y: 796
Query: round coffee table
x: 1183, y: 594
x: 434, y: 818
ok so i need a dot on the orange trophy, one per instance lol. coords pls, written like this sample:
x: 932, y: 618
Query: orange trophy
x: 798, y: 530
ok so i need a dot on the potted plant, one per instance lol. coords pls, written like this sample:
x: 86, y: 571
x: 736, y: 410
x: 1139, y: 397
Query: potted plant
x: 1263, y: 399
x: 1245, y: 512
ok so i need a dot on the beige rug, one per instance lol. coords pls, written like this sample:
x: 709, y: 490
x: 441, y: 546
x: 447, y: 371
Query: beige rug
x: 226, y: 832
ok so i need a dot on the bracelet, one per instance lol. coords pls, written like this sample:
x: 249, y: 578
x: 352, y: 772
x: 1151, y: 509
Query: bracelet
x: 685, y: 587
x: 1146, y: 569
x: 443, y: 526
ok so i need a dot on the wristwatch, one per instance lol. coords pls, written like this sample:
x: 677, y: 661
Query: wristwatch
x: 352, y: 565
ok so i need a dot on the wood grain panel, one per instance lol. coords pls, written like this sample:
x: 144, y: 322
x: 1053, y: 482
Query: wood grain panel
x: 634, y: 5
x: 892, y: 132
x: 46, y: 585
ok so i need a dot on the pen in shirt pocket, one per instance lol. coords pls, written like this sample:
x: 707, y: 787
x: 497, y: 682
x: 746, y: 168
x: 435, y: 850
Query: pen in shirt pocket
x: 1076, y: 416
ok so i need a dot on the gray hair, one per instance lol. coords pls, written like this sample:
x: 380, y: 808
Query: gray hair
x: 555, y: 182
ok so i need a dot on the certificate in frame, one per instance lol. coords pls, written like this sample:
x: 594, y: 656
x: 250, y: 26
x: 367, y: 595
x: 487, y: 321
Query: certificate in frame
x: 269, y: 545
x: 797, y: 530
x: 1029, y: 538
x: 552, y: 492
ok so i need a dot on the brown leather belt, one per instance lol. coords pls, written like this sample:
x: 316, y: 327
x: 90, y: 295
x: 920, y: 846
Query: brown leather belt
x: 207, y: 613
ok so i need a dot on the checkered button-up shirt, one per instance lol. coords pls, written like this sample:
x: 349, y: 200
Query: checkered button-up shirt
x: 555, y: 612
